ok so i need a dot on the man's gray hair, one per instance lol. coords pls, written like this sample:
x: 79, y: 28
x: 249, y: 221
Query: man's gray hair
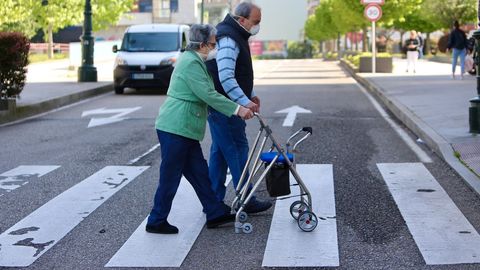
x: 200, y: 33
x: 244, y: 9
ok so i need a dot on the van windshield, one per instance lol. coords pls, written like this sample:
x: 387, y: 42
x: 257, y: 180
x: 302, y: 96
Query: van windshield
x: 150, y: 42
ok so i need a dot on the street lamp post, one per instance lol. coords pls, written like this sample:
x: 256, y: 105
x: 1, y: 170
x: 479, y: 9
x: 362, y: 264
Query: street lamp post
x: 87, y: 72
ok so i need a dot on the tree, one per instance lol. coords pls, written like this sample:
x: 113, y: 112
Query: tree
x: 448, y: 11
x: 27, y: 16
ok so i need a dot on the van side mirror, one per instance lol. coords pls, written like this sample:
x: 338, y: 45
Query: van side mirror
x: 115, y: 48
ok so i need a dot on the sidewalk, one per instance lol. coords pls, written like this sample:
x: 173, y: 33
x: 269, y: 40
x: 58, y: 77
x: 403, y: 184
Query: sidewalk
x: 52, y: 84
x: 435, y: 108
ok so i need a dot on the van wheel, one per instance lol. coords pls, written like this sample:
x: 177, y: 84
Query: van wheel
x: 118, y: 89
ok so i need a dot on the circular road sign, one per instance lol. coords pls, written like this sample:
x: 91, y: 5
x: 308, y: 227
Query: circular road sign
x: 373, y: 12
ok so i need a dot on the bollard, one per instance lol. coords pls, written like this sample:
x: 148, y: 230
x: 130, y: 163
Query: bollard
x: 474, y: 115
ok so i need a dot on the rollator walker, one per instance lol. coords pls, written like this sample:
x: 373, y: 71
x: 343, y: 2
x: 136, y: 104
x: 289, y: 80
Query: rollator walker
x: 278, y: 165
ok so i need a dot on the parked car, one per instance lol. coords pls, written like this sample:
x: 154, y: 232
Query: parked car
x: 147, y: 56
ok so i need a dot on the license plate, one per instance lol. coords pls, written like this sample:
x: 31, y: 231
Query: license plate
x: 143, y: 76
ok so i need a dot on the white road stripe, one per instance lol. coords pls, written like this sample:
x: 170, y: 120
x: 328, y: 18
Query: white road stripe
x: 20, y: 176
x: 403, y: 135
x: 144, y: 249
x: 144, y: 154
x: 287, y: 245
x: 440, y: 230
x: 27, y: 240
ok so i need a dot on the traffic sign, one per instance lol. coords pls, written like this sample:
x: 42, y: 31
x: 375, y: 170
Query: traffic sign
x: 367, y: 2
x: 373, y: 12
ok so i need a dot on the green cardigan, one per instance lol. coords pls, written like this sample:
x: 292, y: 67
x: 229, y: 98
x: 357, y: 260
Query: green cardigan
x: 191, y: 90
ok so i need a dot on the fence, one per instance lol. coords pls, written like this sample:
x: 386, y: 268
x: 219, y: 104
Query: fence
x: 43, y: 47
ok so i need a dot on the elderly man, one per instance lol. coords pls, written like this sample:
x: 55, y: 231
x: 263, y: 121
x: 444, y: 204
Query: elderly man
x: 232, y: 74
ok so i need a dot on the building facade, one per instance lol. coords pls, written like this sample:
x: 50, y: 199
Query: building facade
x: 170, y: 11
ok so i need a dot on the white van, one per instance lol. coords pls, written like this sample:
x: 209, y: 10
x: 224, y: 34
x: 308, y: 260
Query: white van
x: 147, y: 56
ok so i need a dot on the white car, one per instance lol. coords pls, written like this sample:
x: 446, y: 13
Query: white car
x: 147, y: 56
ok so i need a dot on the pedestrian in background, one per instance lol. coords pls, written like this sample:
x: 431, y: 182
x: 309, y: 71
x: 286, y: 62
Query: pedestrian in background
x: 421, y: 44
x: 457, y: 43
x: 180, y: 126
x: 411, y: 45
x: 232, y: 72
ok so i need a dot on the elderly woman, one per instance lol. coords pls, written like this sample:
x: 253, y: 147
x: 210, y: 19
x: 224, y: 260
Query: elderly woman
x: 181, y: 125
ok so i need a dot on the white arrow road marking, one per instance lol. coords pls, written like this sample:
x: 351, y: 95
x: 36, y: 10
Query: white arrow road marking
x: 108, y: 120
x: 144, y: 249
x: 440, y: 230
x: 287, y: 245
x: 292, y: 114
x: 20, y: 176
x: 31, y: 237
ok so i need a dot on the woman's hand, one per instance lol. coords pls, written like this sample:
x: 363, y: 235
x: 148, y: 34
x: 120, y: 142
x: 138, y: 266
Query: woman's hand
x: 245, y: 113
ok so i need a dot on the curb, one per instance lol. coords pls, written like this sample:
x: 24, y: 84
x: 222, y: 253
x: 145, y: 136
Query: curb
x: 45, y: 106
x: 431, y: 138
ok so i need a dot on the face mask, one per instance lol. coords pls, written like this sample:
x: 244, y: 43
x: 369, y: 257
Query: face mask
x: 255, y: 29
x: 212, y: 54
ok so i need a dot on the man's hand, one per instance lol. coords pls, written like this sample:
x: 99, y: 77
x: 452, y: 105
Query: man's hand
x: 253, y: 106
x: 245, y: 113
x: 256, y: 100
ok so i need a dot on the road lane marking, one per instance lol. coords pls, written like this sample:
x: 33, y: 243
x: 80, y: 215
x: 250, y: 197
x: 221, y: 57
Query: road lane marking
x: 440, y: 230
x: 144, y: 249
x: 117, y: 117
x: 131, y: 162
x: 21, y: 175
x: 27, y: 240
x: 292, y: 114
x: 287, y: 245
x: 403, y: 135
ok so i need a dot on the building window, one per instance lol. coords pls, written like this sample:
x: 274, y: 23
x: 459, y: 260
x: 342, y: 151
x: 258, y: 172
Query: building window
x: 174, y: 5
x: 145, y: 5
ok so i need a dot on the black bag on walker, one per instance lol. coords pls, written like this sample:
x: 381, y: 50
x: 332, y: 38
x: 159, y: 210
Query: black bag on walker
x: 278, y: 180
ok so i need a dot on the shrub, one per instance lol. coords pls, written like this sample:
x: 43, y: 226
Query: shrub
x: 14, y: 49
x: 300, y: 50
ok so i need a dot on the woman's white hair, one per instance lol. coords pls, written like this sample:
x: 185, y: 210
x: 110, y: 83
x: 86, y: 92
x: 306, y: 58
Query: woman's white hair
x: 200, y: 34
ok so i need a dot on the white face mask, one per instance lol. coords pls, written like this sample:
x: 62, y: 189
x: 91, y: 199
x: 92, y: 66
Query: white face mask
x: 212, y: 54
x: 255, y: 29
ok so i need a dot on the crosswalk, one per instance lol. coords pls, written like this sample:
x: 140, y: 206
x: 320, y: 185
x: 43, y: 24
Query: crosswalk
x: 441, y: 232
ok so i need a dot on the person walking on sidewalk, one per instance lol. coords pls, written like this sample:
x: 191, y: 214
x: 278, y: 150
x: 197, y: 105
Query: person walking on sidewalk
x: 180, y: 126
x: 232, y: 72
x: 457, y: 43
x: 412, y: 51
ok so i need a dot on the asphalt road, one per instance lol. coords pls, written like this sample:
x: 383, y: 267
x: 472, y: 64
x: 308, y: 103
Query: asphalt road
x: 348, y: 133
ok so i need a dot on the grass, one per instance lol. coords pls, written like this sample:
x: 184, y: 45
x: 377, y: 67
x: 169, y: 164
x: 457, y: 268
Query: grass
x: 41, y: 57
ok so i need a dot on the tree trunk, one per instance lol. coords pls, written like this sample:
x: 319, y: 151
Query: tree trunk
x: 365, y: 42
x: 426, y: 45
x: 345, y: 46
x: 356, y: 41
x: 401, y: 40
x: 50, y: 40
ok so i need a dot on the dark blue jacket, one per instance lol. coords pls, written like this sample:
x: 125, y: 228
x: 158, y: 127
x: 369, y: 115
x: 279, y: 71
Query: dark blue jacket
x: 243, y: 67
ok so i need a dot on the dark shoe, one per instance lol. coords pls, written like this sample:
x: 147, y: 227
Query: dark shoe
x: 256, y: 206
x: 227, y: 218
x: 163, y: 228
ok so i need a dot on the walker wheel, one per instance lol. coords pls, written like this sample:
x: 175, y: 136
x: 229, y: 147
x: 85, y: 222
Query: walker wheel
x: 247, y: 228
x: 242, y: 217
x: 297, y: 208
x: 307, y: 221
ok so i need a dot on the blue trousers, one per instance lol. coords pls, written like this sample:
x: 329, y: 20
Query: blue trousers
x: 456, y: 54
x: 229, y: 149
x: 181, y: 155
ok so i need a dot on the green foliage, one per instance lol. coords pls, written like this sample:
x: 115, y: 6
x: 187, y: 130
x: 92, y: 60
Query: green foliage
x: 445, y: 12
x: 40, y: 57
x: 14, y: 49
x: 299, y: 50
x: 27, y: 16
x: 331, y: 56
x: 354, y: 59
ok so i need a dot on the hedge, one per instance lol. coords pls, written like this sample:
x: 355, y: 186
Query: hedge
x: 14, y: 49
